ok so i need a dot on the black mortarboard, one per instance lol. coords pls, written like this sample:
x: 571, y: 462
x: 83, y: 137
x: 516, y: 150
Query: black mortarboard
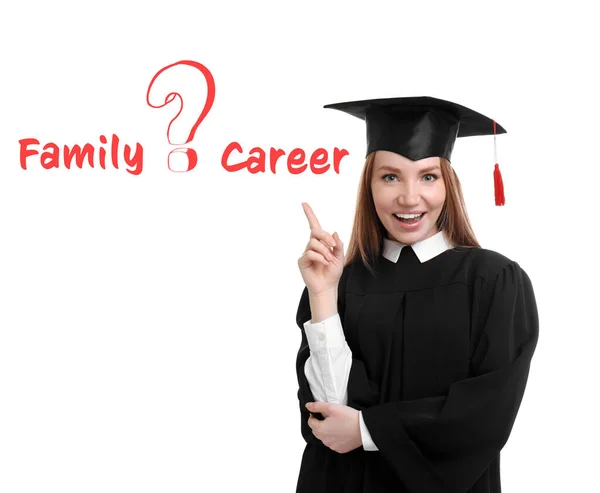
x: 421, y: 127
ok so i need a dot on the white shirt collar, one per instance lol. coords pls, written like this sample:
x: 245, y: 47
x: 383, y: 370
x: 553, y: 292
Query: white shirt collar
x: 424, y: 250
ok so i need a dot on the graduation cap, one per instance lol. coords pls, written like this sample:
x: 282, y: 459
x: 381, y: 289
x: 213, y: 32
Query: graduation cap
x: 421, y: 127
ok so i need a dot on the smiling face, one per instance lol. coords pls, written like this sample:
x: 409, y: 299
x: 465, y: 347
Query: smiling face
x: 400, y: 185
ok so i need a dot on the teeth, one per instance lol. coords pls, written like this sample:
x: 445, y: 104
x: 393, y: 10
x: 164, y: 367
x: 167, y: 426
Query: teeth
x: 408, y: 216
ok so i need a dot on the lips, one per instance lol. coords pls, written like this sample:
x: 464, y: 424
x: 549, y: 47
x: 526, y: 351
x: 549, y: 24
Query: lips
x: 412, y: 214
x: 419, y: 218
x: 410, y: 226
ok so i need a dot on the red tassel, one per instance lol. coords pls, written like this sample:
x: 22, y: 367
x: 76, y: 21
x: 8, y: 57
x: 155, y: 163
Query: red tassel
x: 498, y: 185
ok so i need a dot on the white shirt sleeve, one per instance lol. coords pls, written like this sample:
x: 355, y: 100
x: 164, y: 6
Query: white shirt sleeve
x: 327, y: 369
x: 368, y: 443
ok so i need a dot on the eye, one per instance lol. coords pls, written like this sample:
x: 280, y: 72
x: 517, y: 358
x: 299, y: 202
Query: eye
x: 435, y: 177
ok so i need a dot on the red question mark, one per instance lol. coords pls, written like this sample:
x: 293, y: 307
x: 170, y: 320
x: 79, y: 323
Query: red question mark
x: 210, y: 97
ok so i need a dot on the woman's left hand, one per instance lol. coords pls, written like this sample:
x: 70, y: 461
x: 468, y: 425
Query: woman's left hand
x: 340, y: 430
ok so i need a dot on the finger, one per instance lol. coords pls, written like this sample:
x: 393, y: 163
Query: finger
x: 313, y: 222
x: 316, y: 257
x: 324, y: 236
x: 338, y: 249
x: 315, y: 226
x: 320, y: 247
x: 313, y: 239
x: 317, y: 406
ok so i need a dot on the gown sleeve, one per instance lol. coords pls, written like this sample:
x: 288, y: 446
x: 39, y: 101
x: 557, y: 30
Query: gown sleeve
x: 327, y: 369
x: 444, y: 443
x: 305, y: 393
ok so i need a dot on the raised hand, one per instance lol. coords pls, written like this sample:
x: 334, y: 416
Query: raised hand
x: 322, y: 262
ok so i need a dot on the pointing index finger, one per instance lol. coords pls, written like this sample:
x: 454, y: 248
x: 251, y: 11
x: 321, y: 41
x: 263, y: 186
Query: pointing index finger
x: 310, y: 215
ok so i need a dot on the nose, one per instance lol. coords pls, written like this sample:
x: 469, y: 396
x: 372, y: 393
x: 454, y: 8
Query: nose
x: 408, y: 195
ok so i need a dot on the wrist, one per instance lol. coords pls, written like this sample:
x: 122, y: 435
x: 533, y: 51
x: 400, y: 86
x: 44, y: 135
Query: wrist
x: 324, y: 295
x: 323, y: 305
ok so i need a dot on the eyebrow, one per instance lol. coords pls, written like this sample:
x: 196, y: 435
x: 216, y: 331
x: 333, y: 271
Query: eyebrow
x: 396, y: 170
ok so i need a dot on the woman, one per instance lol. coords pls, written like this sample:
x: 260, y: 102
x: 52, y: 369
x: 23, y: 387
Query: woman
x: 416, y: 348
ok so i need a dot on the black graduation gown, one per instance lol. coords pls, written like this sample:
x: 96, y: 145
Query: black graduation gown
x: 441, y: 352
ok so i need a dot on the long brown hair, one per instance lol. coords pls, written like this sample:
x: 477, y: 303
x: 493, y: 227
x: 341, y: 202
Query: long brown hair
x: 368, y: 232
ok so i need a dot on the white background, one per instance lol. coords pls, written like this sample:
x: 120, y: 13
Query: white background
x: 147, y: 323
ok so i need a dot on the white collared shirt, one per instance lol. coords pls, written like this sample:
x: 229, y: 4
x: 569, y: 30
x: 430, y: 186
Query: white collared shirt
x: 425, y: 249
x: 327, y: 369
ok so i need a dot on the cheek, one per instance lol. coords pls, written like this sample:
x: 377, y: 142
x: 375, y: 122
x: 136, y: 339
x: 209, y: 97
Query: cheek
x: 380, y: 197
x: 437, y: 195
x: 442, y: 197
